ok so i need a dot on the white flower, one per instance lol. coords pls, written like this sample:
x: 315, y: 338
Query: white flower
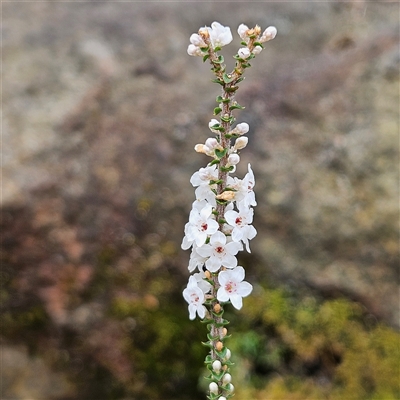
x: 196, y: 260
x: 201, y: 224
x: 244, y: 53
x: 232, y: 287
x: 242, y: 230
x: 249, y: 183
x: 219, y: 252
x: 195, y: 297
x: 242, y: 31
x: 204, y: 176
x: 219, y: 35
x: 268, y: 34
x: 201, y: 282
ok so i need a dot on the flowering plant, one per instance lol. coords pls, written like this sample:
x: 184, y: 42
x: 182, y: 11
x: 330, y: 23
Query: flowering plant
x: 220, y: 220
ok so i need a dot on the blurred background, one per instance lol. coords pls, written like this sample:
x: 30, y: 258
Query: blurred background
x: 102, y: 107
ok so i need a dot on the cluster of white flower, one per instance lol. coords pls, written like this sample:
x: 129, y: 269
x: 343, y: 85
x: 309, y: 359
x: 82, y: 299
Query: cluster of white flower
x: 216, y: 243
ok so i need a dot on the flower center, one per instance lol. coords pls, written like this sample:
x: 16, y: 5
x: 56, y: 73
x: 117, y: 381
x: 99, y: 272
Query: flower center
x: 219, y: 249
x: 195, y: 298
x: 230, y: 287
x: 204, y: 227
x: 238, y: 220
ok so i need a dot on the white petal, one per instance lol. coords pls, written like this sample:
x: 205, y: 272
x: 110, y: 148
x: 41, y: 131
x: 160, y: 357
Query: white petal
x: 236, y: 301
x: 222, y: 295
x: 244, y: 289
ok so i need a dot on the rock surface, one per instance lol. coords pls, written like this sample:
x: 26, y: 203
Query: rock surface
x: 102, y: 108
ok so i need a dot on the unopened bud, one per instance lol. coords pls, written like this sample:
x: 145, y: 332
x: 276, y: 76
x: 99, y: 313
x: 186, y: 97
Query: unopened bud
x: 213, y: 388
x: 233, y: 159
x: 224, y: 331
x: 257, y: 50
x: 227, y: 354
x: 212, y: 143
x: 244, y: 53
x: 219, y: 346
x: 228, y: 195
x: 217, y: 307
x: 200, y: 148
x: 207, y: 274
x: 227, y: 379
x: 241, y: 142
x: 203, y: 32
x: 217, y: 366
x: 268, y: 34
x: 197, y: 40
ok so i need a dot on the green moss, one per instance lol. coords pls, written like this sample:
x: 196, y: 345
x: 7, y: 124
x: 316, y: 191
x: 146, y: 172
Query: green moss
x: 314, y: 350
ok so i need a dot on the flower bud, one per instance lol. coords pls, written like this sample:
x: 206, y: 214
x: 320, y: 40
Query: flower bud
x: 228, y: 195
x: 213, y: 388
x: 233, y: 159
x: 242, y: 128
x: 212, y: 123
x: 193, y: 50
x: 203, y: 32
x: 241, y: 143
x: 242, y: 31
x: 231, y: 388
x: 226, y: 379
x: 197, y: 40
x: 207, y: 274
x: 257, y: 50
x: 217, y: 307
x: 217, y: 366
x: 244, y: 53
x: 200, y: 148
x: 219, y: 346
x: 228, y: 354
x: 268, y: 34
x: 222, y: 398
x: 212, y: 143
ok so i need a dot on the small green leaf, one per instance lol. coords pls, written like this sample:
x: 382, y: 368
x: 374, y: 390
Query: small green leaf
x: 217, y: 110
x: 219, y: 81
x: 206, y: 57
x: 227, y: 78
x: 236, y: 106
x: 231, y: 89
x: 220, y: 153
